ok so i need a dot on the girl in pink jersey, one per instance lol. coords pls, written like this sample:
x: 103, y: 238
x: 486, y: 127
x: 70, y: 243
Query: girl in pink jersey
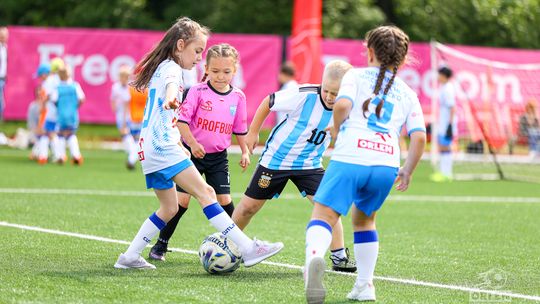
x: 163, y: 160
x: 211, y: 113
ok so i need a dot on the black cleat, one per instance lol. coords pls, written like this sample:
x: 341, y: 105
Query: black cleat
x: 343, y: 265
x: 158, y: 251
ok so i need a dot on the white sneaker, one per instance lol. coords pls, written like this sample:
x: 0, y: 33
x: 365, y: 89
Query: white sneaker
x: 313, y: 277
x: 260, y: 251
x: 124, y: 262
x: 364, y: 292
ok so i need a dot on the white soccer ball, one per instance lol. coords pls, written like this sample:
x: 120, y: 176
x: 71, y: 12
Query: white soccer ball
x: 219, y: 255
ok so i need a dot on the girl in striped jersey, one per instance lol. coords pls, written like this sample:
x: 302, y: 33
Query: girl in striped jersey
x: 163, y: 159
x: 294, y: 150
x: 372, y: 106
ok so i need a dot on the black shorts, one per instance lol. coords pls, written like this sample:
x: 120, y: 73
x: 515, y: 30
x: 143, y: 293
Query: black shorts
x: 215, y: 168
x: 267, y: 183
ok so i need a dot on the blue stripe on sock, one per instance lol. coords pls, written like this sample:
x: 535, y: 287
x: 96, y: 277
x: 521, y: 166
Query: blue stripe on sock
x: 212, y: 210
x: 319, y: 223
x: 157, y: 221
x: 365, y: 236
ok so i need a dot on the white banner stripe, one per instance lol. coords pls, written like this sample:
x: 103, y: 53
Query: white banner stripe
x: 286, y: 196
x: 289, y: 266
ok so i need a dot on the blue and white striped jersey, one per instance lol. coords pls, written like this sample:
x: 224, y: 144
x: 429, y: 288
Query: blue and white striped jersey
x: 299, y: 141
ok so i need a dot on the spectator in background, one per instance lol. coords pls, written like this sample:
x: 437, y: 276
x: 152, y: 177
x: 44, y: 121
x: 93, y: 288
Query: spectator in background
x: 287, y: 81
x: 530, y: 127
x: 68, y: 97
x: 3, y: 68
x: 120, y: 98
x: 445, y: 125
x: 35, y: 118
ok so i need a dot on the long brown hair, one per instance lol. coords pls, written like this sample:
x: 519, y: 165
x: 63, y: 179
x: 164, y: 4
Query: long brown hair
x: 390, y: 45
x: 185, y: 29
x: 224, y: 50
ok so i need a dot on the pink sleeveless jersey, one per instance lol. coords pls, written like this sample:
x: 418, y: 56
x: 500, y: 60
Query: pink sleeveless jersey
x: 213, y: 116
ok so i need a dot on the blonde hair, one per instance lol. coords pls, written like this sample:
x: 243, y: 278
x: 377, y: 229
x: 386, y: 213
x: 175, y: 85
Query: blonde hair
x: 185, y: 29
x: 222, y: 50
x: 335, y: 70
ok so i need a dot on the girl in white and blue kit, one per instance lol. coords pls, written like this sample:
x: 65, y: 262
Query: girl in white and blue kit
x: 164, y: 161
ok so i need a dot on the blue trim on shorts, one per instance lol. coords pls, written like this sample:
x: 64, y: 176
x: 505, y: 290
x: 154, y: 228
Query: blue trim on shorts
x: 319, y: 223
x: 365, y: 236
x: 443, y: 140
x: 364, y: 186
x: 157, y: 221
x: 162, y: 179
x: 212, y: 210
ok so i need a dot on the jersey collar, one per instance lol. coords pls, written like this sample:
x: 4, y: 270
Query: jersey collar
x: 218, y: 92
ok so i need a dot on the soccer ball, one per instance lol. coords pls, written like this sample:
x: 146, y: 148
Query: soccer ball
x: 219, y: 255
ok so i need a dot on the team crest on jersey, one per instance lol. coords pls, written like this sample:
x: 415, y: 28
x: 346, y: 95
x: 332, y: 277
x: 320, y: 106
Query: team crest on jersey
x: 233, y: 110
x: 265, y: 180
x: 207, y: 105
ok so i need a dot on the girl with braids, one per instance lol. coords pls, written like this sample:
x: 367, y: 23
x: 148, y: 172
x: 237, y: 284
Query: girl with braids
x: 372, y: 105
x: 211, y: 112
x: 163, y: 160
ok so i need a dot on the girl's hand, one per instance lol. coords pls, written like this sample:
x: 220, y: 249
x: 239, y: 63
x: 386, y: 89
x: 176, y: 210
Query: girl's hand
x: 198, y: 150
x: 244, y: 161
x: 403, y: 178
x: 173, y: 104
x: 252, y: 139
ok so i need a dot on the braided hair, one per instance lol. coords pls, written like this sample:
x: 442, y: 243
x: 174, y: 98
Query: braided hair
x: 390, y: 45
x: 224, y: 50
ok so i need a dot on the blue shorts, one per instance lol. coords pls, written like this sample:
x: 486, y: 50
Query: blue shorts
x: 365, y: 186
x: 162, y: 179
x: 135, y: 129
x: 443, y: 140
x: 50, y: 126
x: 68, y: 125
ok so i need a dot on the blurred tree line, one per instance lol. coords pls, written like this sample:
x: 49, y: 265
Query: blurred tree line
x: 503, y: 23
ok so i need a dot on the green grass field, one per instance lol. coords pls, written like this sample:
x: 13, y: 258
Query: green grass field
x: 444, y: 234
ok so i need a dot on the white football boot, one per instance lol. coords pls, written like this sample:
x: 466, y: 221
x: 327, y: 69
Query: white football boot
x: 313, y: 277
x: 124, y: 262
x: 364, y: 292
x: 260, y: 251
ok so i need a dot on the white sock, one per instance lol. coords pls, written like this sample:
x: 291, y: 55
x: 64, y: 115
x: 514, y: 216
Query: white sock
x: 223, y: 223
x: 35, y: 149
x: 366, y: 250
x: 73, y: 144
x: 318, y: 239
x: 446, y: 164
x: 147, y: 232
x: 44, y: 147
x: 58, y: 146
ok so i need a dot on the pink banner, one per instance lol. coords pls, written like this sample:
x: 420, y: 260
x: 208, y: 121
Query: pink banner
x: 96, y: 55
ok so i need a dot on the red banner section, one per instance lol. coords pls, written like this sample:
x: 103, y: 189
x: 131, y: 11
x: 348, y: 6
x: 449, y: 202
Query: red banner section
x: 306, y: 40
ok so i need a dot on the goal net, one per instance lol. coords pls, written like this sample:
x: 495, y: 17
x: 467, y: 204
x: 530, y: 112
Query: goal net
x: 491, y: 97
